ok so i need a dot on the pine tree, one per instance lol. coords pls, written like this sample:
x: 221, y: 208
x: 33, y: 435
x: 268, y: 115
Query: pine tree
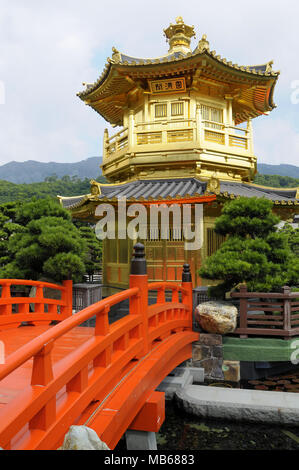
x: 292, y: 235
x: 7, y: 228
x: 253, y: 252
x: 45, y: 243
x: 93, y: 257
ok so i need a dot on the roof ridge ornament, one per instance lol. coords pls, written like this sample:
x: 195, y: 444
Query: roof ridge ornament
x: 95, y: 188
x: 269, y: 66
x: 116, y: 56
x: 213, y: 185
x: 203, y: 44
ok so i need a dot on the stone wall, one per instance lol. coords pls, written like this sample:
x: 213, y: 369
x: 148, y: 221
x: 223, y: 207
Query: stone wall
x: 207, y: 353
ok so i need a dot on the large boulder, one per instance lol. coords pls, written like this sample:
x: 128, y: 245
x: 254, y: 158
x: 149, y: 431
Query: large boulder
x: 216, y: 317
x: 82, y: 438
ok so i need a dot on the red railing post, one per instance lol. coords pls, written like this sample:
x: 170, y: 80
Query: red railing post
x: 6, y: 309
x: 102, y: 322
x: 187, y: 296
x: 139, y: 303
x: 39, y: 305
x: 42, y: 370
x: 67, y: 297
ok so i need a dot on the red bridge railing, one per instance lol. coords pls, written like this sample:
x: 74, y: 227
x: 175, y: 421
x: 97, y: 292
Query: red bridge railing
x: 58, y: 309
x: 60, y: 392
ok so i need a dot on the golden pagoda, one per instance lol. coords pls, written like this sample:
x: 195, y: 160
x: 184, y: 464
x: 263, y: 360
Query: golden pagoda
x: 185, y: 135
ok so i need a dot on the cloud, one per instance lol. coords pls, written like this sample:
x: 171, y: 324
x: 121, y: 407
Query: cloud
x: 276, y: 141
x: 47, y: 49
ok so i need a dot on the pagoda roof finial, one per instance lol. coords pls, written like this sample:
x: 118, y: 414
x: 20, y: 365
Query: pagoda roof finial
x: 179, y: 20
x: 179, y: 36
x: 203, y: 44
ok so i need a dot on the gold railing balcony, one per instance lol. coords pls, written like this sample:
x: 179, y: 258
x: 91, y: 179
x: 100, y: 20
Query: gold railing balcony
x: 187, y: 133
x: 117, y: 142
x: 231, y: 136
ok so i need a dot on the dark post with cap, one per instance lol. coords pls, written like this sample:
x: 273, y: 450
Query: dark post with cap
x: 139, y: 303
x: 186, y: 275
x: 187, y: 296
x: 138, y: 262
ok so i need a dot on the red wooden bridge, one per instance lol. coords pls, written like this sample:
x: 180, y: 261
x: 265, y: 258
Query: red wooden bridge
x: 57, y: 375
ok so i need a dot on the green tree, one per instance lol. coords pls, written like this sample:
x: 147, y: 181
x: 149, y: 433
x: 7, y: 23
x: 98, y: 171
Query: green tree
x: 253, y: 253
x: 93, y: 257
x: 50, y: 187
x: 51, y: 178
x: 276, y: 181
x: 292, y: 235
x: 45, y: 243
x: 7, y: 228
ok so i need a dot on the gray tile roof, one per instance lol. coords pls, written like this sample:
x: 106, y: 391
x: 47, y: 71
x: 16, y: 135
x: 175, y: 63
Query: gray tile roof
x: 155, y: 189
x: 139, y: 61
x: 248, y: 190
x: 175, y: 188
x: 72, y: 202
x: 144, y: 190
x: 125, y: 59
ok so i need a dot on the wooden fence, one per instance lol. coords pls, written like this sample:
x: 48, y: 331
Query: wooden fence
x: 269, y: 314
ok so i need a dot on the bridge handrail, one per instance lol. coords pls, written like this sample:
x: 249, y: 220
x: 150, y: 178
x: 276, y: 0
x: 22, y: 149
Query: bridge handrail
x: 25, y: 282
x: 8, y: 318
x: 29, y: 350
x: 93, y: 368
x: 166, y: 285
x: 162, y: 286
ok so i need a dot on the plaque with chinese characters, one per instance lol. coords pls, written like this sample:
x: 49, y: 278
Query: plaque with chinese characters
x: 173, y: 85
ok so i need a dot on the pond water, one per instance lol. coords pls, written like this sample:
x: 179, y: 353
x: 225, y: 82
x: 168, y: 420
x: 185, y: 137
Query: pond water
x: 187, y: 432
x: 182, y: 432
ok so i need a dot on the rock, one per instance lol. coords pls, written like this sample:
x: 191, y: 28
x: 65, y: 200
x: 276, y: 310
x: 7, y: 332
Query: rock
x: 82, y: 438
x: 231, y: 371
x: 217, y: 317
x: 213, y: 368
x: 210, y: 339
x: 200, y: 351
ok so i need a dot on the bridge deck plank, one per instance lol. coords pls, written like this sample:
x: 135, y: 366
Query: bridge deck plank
x: 13, y: 339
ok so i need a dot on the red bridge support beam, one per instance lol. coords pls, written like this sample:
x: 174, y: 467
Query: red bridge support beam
x: 152, y: 415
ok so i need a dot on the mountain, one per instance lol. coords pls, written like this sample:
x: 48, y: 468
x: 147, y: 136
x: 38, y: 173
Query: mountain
x: 32, y: 171
x: 282, y: 170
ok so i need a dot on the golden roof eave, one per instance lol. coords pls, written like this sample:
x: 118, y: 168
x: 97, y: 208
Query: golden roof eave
x: 120, y: 76
x: 163, y: 62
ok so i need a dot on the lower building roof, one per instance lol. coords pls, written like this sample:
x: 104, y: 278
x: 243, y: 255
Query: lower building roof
x: 178, y: 188
x: 254, y: 190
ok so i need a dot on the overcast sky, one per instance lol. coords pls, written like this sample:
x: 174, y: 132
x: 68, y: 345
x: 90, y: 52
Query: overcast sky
x: 49, y: 47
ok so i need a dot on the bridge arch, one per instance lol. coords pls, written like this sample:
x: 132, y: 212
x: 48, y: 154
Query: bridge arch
x: 106, y: 379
